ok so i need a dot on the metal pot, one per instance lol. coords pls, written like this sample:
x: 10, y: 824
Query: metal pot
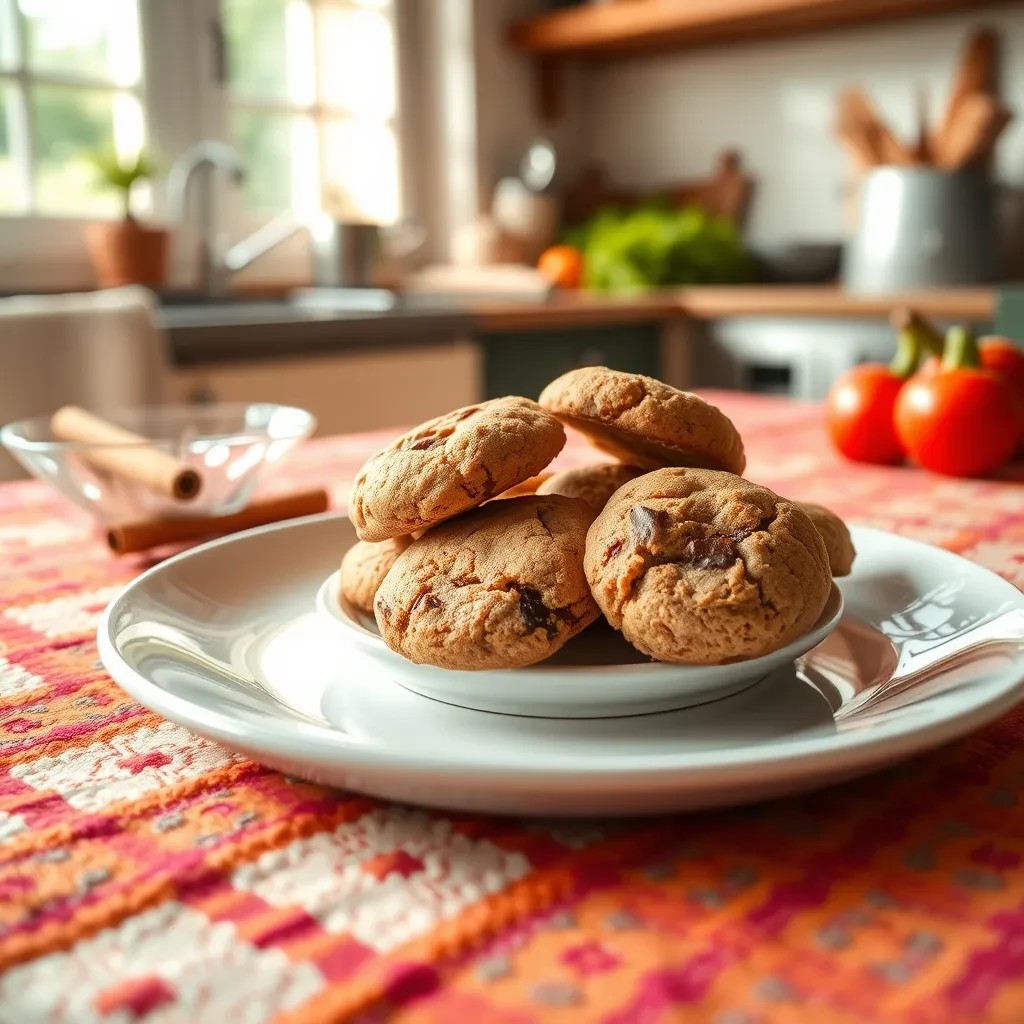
x: 348, y: 254
x: 920, y: 228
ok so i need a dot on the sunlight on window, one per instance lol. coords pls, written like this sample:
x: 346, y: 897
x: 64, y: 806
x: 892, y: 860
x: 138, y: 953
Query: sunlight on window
x: 269, y: 46
x: 10, y: 190
x: 298, y: 45
x: 313, y: 94
x: 68, y: 124
x: 70, y: 84
x: 99, y: 38
x: 361, y: 171
x: 8, y: 41
x: 357, y: 61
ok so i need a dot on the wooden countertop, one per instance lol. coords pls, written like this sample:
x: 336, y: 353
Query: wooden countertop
x: 582, y: 309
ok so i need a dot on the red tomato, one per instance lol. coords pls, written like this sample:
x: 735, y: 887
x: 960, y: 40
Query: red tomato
x: 1004, y: 357
x: 996, y: 354
x: 860, y: 414
x: 961, y: 421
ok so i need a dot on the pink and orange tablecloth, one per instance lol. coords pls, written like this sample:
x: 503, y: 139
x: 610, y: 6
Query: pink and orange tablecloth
x: 147, y: 875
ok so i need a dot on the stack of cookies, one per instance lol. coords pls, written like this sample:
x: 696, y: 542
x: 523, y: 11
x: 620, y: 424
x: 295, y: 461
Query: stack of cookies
x: 471, y: 556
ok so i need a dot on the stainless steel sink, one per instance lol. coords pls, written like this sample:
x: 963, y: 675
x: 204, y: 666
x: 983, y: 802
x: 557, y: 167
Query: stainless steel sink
x: 229, y: 313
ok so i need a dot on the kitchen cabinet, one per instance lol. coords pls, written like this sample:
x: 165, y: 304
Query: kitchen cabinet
x: 356, y: 390
x: 1009, y: 319
x: 522, y: 363
x: 795, y: 356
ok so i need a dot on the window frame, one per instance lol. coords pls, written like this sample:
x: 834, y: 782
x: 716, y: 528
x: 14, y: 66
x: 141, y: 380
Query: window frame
x: 185, y: 100
x: 24, y: 79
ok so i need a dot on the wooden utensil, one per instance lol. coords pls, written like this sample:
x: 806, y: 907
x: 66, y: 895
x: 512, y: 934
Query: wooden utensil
x: 977, y: 72
x: 972, y: 133
x: 866, y: 132
x: 125, y: 538
x: 922, y: 150
x: 126, y: 454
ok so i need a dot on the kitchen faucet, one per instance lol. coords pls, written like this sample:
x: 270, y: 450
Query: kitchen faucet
x: 216, y: 265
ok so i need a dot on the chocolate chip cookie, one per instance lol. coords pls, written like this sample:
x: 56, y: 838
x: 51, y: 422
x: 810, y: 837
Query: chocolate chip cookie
x: 643, y: 422
x: 364, y: 567
x: 702, y: 567
x: 527, y: 487
x: 451, y: 464
x: 835, y: 534
x: 592, y: 484
x: 500, y: 587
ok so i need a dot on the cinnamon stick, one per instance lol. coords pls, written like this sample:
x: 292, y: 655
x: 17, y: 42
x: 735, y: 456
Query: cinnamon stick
x: 124, y: 538
x: 126, y: 454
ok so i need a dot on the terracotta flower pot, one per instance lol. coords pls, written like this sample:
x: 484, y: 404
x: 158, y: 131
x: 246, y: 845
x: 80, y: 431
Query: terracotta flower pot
x: 125, y: 252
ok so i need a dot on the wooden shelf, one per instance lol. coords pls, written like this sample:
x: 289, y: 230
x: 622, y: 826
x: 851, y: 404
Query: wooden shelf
x: 635, y: 26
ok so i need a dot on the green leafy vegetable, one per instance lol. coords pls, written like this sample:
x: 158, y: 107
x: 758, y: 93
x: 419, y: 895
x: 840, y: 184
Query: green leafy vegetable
x: 656, y: 245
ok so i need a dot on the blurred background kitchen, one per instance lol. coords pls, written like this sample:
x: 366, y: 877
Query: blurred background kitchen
x: 378, y: 210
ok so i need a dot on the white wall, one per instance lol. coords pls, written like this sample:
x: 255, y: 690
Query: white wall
x: 660, y: 119
x: 506, y: 100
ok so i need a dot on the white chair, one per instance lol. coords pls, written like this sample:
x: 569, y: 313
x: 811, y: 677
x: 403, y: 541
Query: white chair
x: 94, y: 349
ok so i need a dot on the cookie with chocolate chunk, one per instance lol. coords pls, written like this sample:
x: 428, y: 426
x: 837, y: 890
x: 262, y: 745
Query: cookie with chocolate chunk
x: 644, y: 422
x: 526, y: 488
x: 364, y: 567
x: 450, y: 464
x: 592, y: 484
x: 500, y: 587
x: 701, y: 567
x: 835, y: 534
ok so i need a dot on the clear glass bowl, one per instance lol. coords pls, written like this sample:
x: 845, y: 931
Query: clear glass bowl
x: 232, y: 446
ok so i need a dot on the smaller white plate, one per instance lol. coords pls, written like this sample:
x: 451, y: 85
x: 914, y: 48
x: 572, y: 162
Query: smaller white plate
x: 597, y: 674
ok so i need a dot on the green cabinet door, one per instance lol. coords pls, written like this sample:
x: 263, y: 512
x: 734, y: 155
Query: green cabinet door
x: 520, y: 363
x: 1010, y: 313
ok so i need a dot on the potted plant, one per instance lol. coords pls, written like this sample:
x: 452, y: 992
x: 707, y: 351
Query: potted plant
x: 125, y: 251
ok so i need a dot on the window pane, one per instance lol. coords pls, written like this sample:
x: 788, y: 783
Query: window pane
x: 99, y: 38
x: 69, y: 124
x: 8, y: 36
x: 356, y: 57
x: 10, y: 184
x: 280, y: 158
x: 361, y: 170
x: 270, y: 49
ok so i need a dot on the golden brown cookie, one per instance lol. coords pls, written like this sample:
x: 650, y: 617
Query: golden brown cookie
x: 702, y: 567
x: 364, y: 567
x: 500, y: 587
x: 835, y: 534
x: 451, y: 464
x: 526, y: 488
x: 643, y: 422
x: 592, y: 484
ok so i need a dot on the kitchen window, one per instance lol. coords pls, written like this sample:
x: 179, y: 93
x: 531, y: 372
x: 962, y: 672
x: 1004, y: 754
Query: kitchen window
x: 312, y: 104
x: 70, y: 84
x: 306, y: 90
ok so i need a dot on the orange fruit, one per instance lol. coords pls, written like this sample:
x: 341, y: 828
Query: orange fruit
x: 562, y: 265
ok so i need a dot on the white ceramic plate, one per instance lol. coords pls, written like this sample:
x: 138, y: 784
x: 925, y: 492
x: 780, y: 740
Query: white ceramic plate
x: 595, y: 675
x: 226, y: 640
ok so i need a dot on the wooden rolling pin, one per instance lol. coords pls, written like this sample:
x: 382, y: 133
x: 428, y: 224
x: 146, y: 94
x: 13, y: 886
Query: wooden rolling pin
x: 129, y: 455
x: 124, y: 538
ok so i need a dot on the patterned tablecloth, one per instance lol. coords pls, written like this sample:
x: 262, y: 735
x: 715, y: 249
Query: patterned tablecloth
x: 147, y: 875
